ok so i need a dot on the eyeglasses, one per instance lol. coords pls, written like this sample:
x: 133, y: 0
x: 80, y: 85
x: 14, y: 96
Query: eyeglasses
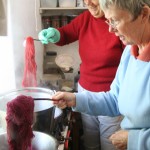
x: 112, y: 23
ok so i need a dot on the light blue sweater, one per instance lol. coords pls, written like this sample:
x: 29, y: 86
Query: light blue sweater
x: 129, y: 96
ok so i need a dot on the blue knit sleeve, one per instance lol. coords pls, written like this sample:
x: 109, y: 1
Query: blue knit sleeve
x: 139, y: 139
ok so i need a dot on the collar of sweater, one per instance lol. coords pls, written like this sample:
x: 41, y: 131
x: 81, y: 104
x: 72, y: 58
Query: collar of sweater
x: 144, y: 55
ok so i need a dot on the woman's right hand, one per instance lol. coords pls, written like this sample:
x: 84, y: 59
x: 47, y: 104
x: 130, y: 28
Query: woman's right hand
x: 49, y: 35
x: 64, y: 99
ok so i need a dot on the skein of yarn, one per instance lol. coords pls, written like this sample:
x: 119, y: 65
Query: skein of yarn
x: 29, y: 77
x: 19, y: 118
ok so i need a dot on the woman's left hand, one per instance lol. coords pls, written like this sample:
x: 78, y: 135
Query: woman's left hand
x: 119, y: 139
x: 64, y: 99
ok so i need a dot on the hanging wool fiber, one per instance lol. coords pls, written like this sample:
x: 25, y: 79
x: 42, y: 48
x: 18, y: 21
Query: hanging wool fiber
x: 29, y: 77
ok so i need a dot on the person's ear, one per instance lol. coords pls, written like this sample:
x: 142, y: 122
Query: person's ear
x: 145, y: 13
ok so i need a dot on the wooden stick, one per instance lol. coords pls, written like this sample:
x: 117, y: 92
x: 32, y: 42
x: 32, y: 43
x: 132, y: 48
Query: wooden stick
x: 36, y: 39
x: 37, y: 99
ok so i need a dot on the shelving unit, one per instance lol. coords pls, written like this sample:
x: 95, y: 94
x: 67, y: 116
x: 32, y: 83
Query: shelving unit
x: 71, y: 49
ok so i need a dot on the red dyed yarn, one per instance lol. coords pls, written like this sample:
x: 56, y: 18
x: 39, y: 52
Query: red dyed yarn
x: 29, y: 77
x: 19, y: 120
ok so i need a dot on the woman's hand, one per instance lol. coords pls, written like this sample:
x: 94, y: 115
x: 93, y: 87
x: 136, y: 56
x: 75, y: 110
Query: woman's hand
x: 119, y: 139
x: 64, y: 99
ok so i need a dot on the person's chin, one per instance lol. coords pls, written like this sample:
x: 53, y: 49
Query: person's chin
x: 124, y: 41
x: 96, y: 15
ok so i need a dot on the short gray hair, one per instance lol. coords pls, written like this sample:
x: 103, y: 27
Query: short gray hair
x: 132, y: 6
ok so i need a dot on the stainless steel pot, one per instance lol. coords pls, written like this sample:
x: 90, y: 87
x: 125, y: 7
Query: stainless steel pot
x: 41, y: 141
x: 44, y: 110
x: 30, y: 91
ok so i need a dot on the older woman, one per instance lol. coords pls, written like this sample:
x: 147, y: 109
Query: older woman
x: 130, y: 91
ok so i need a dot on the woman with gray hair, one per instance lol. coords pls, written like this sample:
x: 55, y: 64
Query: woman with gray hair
x: 130, y: 91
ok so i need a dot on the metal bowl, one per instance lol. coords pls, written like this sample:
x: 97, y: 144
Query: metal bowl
x: 41, y: 141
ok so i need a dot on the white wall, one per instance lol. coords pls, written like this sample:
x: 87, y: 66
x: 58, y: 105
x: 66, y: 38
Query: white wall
x: 7, y: 78
x: 22, y: 23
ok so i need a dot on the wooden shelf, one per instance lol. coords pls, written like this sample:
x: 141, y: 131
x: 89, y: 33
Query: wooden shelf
x: 43, y: 9
x: 63, y: 8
